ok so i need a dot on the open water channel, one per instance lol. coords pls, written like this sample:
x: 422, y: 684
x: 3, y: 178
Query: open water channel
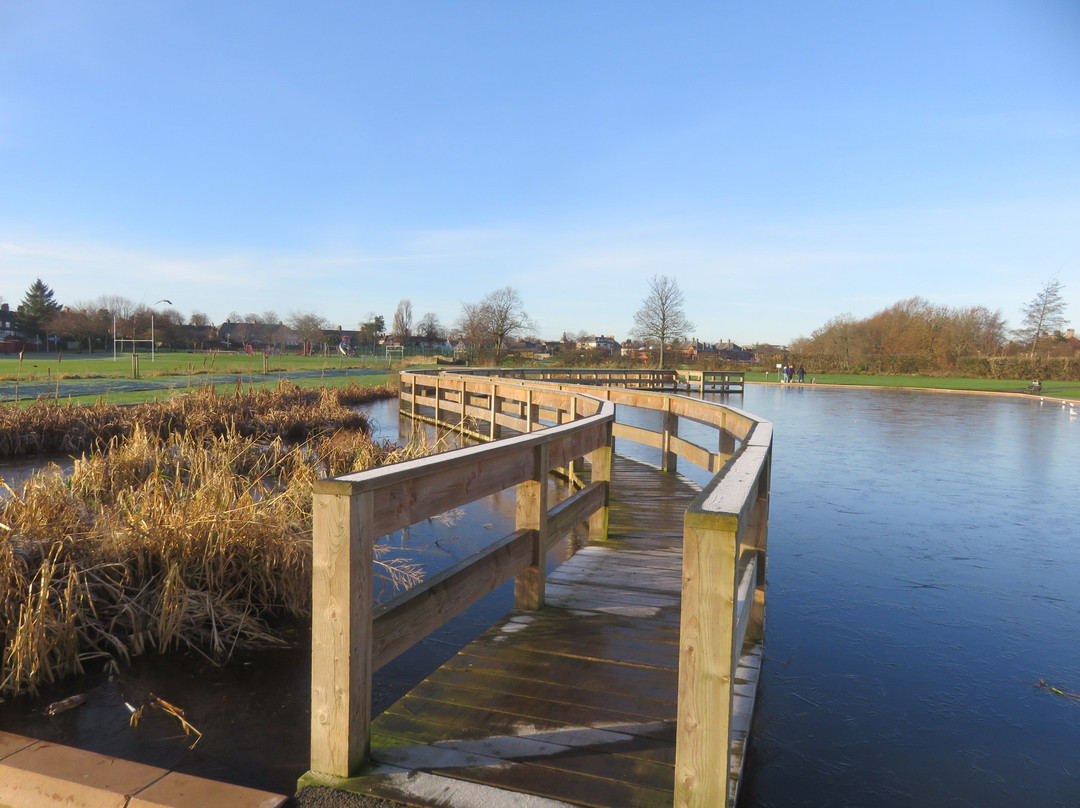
x: 924, y: 577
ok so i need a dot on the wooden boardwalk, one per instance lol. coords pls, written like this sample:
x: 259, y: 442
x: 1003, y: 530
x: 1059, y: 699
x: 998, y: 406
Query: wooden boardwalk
x: 571, y: 705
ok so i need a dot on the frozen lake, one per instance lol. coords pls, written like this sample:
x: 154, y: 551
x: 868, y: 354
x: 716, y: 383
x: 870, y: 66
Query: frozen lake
x: 924, y: 576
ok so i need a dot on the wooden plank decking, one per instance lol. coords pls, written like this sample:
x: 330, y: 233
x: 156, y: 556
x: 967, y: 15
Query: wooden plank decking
x: 571, y: 705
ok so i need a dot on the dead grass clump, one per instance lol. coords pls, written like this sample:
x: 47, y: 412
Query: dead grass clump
x: 193, y: 535
x: 48, y: 427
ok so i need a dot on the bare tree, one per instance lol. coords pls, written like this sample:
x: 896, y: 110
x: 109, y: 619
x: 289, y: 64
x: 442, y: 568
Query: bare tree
x: 199, y: 318
x: 472, y: 326
x: 403, y: 321
x: 991, y: 331
x: 429, y: 327
x: 661, y: 320
x: 505, y: 314
x: 169, y: 328
x: 119, y: 307
x: 1043, y: 315
x: 82, y: 323
x: 308, y: 327
x: 975, y: 328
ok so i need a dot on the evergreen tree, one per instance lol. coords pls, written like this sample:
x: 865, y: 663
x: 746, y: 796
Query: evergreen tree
x: 38, y: 305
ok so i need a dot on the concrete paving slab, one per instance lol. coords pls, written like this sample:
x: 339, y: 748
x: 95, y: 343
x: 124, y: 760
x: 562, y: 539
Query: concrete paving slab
x: 37, y: 774
x: 176, y: 790
x: 44, y: 774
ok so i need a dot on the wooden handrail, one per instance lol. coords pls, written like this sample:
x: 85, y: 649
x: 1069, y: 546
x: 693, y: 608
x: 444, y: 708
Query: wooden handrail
x: 537, y: 421
x: 350, y: 638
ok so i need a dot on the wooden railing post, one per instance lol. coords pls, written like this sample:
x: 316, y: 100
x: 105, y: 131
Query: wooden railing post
x: 727, y: 440
x: 532, y: 511
x: 412, y: 395
x: 706, y: 657
x: 342, y: 543
x: 669, y: 460
x: 599, y: 461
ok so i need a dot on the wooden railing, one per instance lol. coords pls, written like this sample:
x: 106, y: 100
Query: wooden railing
x: 722, y: 381
x: 708, y: 381
x: 350, y: 638
x: 535, y: 427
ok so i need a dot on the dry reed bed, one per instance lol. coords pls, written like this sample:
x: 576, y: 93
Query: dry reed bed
x: 47, y: 427
x: 190, y: 528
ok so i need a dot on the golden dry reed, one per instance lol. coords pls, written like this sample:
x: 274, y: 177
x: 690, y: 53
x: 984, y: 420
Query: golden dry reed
x: 187, y: 526
x: 49, y: 427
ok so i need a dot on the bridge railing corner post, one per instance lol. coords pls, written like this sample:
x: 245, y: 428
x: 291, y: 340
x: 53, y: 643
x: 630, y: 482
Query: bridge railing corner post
x: 341, y: 663
x: 706, y: 663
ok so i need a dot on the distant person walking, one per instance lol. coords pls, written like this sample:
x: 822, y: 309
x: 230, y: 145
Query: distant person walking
x: 801, y: 374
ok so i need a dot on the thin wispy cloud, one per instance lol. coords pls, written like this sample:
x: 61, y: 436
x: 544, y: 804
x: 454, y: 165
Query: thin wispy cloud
x: 784, y: 165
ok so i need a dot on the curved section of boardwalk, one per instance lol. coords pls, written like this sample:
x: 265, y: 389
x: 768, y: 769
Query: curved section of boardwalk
x: 574, y: 704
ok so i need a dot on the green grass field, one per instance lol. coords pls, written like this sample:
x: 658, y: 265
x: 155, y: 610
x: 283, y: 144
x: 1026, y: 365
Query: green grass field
x: 1055, y: 389
x: 84, y: 379
x: 83, y: 366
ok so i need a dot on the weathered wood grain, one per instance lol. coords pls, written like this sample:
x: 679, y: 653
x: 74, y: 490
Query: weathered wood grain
x: 573, y: 704
x: 581, y: 702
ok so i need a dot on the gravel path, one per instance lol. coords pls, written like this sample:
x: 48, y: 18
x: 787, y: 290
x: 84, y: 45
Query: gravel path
x: 319, y: 797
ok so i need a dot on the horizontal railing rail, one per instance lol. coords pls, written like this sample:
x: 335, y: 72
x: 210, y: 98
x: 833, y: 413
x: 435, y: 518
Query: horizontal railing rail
x: 351, y: 638
x: 715, y: 381
x: 646, y: 379
x: 535, y: 426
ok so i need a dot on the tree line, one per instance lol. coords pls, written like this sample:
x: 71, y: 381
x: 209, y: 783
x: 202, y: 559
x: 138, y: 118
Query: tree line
x: 912, y: 336
x: 917, y: 336
x: 485, y: 326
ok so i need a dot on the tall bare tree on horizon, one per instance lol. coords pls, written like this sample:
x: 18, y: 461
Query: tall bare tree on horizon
x: 661, y: 319
x: 1044, y: 314
x: 505, y: 315
x: 403, y: 321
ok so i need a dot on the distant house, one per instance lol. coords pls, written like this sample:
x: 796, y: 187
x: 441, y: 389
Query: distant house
x: 236, y: 336
x: 729, y: 350
x: 12, y: 337
x: 721, y: 350
x: 636, y: 349
x: 199, y: 337
x: 527, y: 347
x: 598, y: 343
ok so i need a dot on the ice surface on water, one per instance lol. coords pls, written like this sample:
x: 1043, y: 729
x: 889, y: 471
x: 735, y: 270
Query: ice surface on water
x: 923, y: 568
x: 924, y: 559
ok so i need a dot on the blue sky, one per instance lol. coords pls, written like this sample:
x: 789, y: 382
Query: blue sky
x: 785, y: 161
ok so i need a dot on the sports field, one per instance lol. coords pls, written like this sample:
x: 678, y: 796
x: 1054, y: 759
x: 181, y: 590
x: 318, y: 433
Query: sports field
x: 85, y: 379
